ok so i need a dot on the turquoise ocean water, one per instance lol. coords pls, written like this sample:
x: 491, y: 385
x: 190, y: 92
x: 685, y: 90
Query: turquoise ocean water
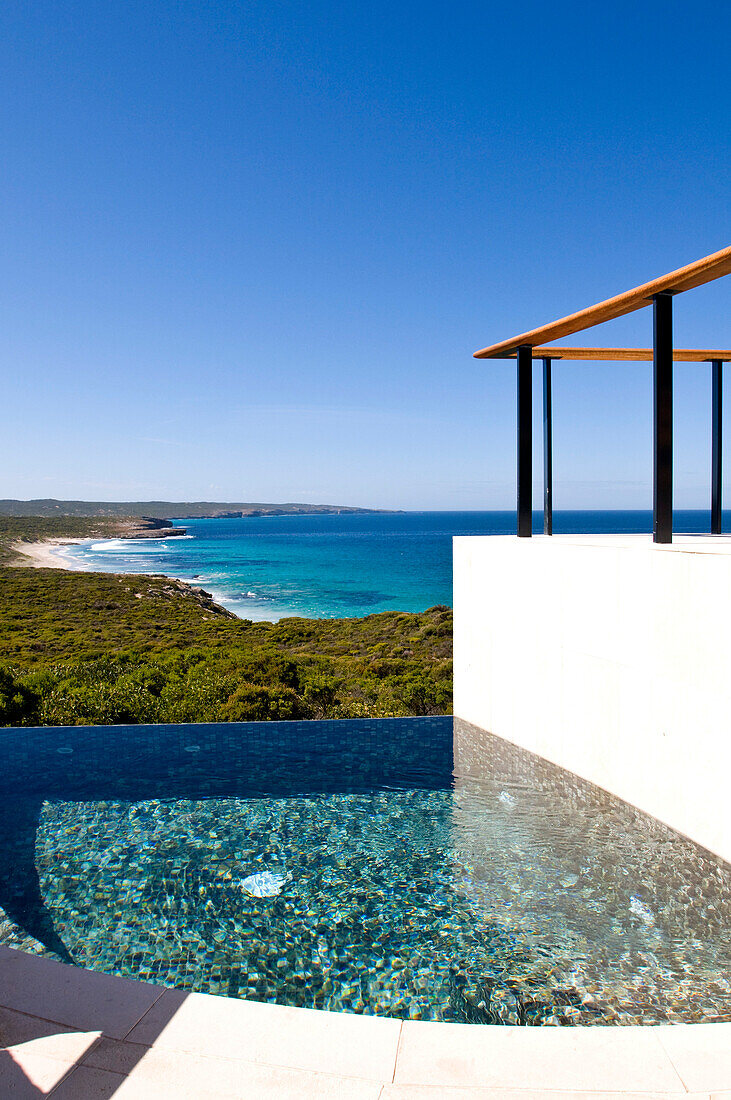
x: 332, y: 566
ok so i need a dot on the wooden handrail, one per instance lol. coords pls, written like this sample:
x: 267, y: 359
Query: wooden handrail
x: 634, y: 355
x: 685, y: 278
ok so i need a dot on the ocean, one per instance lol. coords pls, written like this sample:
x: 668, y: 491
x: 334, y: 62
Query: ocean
x: 334, y: 566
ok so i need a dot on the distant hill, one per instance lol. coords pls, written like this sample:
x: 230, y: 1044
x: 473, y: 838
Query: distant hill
x: 167, y: 509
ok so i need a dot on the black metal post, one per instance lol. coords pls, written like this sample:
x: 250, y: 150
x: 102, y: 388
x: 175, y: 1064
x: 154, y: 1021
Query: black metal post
x: 716, y: 446
x: 547, y: 450
x: 525, y: 441
x: 662, y: 361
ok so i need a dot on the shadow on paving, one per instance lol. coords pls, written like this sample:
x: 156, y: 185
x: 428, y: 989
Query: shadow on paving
x: 24, y: 1034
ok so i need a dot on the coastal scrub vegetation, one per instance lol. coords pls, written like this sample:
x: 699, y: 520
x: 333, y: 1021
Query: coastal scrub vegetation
x: 95, y: 648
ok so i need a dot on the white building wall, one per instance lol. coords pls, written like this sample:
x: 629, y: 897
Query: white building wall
x: 609, y: 656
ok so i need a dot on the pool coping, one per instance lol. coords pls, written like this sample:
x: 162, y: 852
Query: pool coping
x: 74, y: 1033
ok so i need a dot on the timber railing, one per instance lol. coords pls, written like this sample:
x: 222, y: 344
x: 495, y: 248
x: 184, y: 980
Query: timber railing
x: 530, y: 345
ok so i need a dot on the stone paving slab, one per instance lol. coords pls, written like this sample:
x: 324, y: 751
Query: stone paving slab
x: 701, y: 1053
x: 300, y: 1038
x: 622, y: 1059
x: 426, y: 1092
x: 19, y: 1027
x: 194, y: 1077
x: 26, y: 1076
x: 115, y: 1055
x: 81, y: 999
x: 75, y: 1035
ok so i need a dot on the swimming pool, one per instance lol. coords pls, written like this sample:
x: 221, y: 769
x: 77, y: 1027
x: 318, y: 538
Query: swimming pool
x: 417, y: 868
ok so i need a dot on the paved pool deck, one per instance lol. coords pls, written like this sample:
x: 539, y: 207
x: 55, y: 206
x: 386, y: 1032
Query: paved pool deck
x: 74, y: 1034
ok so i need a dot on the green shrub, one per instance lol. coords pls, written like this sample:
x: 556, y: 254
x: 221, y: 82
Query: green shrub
x: 18, y: 701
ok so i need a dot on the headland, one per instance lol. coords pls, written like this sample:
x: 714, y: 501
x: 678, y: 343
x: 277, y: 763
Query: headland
x: 171, y: 509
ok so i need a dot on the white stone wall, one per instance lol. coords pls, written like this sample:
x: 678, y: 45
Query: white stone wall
x: 610, y: 657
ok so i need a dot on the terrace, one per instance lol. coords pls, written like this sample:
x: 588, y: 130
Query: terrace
x: 607, y: 654
x: 590, y: 673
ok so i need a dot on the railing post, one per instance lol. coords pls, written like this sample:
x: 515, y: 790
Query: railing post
x: 716, y: 446
x: 525, y: 441
x: 547, y: 450
x: 662, y: 494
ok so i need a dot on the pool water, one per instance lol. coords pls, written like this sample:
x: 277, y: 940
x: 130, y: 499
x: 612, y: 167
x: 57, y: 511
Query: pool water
x: 416, y: 868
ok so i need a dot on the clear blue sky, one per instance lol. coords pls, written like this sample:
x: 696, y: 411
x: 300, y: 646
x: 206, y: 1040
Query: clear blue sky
x: 248, y: 248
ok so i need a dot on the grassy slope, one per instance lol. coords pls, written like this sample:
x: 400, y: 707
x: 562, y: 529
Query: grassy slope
x: 96, y: 647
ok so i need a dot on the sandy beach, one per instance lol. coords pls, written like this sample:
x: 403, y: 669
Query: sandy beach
x: 44, y: 555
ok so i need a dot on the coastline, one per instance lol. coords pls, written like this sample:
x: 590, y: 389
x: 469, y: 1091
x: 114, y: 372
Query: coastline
x: 260, y: 569
x: 48, y: 554
x: 45, y: 554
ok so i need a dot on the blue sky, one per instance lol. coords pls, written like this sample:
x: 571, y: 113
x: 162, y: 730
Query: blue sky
x: 248, y: 248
